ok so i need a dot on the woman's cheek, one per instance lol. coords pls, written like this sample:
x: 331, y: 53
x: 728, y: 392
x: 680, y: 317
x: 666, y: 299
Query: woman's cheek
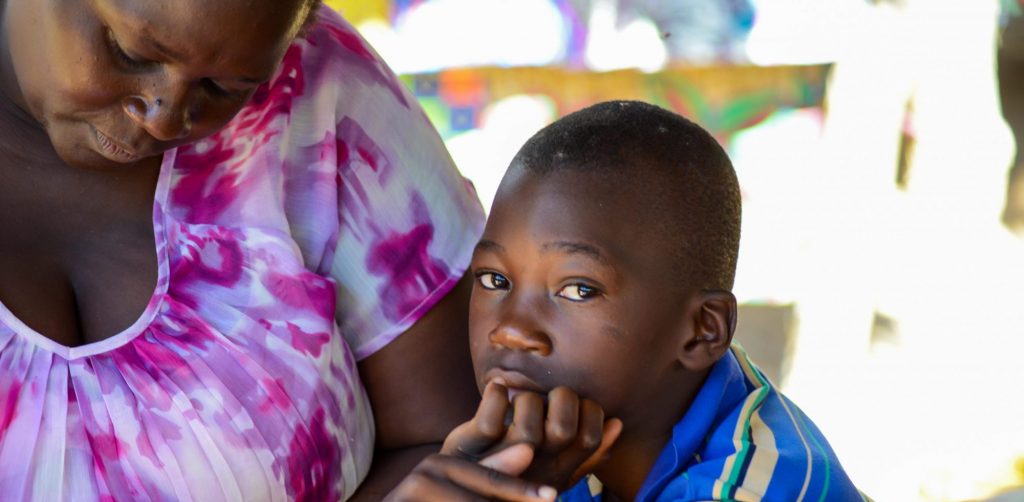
x: 80, y: 65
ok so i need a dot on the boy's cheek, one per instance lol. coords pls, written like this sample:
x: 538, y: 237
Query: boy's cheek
x: 479, y: 369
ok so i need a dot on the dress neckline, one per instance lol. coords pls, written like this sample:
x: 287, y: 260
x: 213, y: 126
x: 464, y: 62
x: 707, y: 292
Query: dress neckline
x: 152, y: 307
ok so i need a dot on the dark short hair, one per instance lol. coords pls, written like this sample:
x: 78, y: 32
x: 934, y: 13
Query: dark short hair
x: 311, y: 14
x: 700, y: 209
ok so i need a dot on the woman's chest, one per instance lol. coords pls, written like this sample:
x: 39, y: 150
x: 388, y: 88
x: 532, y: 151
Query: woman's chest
x: 236, y: 385
x: 205, y: 402
x: 77, y: 255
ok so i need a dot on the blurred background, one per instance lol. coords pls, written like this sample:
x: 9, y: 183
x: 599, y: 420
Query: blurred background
x: 880, y: 275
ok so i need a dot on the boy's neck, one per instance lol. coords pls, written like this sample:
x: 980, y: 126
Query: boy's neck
x: 631, y: 461
x: 642, y: 440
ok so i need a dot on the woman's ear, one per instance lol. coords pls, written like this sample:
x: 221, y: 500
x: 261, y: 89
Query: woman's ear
x: 714, y: 321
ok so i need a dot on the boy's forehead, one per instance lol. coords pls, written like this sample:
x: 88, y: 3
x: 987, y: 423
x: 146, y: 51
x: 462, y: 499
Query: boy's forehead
x: 601, y: 190
x: 610, y: 209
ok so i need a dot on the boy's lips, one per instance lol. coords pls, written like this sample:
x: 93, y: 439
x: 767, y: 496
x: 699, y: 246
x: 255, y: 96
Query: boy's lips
x: 514, y: 380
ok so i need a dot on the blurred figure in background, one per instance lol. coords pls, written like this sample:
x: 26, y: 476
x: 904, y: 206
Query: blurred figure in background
x: 1011, y: 92
x: 907, y: 234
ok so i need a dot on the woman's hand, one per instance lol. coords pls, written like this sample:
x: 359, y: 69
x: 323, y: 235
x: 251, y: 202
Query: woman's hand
x: 568, y: 437
x: 443, y: 477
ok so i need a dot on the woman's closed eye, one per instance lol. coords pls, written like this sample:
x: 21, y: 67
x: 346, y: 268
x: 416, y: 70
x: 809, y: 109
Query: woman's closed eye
x: 123, y: 56
x: 578, y: 292
x: 218, y: 90
x: 493, y: 280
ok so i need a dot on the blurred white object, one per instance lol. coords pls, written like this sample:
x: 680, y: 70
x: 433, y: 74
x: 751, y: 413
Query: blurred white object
x: 636, y: 44
x: 483, y: 154
x: 773, y: 162
x: 806, y: 31
x: 933, y: 256
x: 457, y: 33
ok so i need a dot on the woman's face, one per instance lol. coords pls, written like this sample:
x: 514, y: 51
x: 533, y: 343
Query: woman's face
x: 115, y: 82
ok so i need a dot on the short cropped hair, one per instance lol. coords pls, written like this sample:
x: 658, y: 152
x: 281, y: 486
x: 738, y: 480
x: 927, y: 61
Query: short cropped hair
x: 700, y: 210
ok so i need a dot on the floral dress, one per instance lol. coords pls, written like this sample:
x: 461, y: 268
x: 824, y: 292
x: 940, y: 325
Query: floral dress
x: 321, y: 223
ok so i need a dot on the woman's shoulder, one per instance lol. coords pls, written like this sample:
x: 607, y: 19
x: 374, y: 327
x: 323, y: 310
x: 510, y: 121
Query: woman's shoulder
x: 328, y: 77
x: 327, y: 73
x: 335, y: 55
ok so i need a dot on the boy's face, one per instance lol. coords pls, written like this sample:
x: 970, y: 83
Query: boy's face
x: 575, y: 286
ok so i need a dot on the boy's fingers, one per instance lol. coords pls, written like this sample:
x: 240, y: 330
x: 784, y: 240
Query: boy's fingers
x: 485, y: 482
x: 490, y: 415
x: 612, y: 430
x: 527, y: 420
x: 465, y: 441
x: 472, y: 439
x: 562, y: 422
x: 512, y: 460
x: 591, y: 428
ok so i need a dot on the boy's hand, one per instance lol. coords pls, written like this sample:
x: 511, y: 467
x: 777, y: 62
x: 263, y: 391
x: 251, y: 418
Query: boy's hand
x: 576, y: 435
x: 569, y: 436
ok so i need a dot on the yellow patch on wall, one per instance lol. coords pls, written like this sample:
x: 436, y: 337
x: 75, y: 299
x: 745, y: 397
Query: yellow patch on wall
x: 359, y: 11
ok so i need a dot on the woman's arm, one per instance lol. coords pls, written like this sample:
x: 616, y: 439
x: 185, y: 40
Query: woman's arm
x: 421, y: 386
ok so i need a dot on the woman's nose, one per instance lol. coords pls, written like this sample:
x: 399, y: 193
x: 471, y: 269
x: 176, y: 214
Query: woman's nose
x: 164, y: 118
x: 517, y: 334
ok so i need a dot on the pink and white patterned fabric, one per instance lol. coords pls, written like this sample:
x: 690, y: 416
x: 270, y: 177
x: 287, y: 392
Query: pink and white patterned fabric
x: 312, y: 231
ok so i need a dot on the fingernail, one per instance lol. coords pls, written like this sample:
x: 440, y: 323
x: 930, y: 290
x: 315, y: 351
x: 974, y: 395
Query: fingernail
x: 547, y: 493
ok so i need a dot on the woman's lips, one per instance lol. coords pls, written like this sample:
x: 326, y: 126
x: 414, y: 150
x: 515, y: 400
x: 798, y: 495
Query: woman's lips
x: 114, y: 150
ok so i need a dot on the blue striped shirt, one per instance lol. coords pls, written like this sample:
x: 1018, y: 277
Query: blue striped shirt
x: 740, y: 440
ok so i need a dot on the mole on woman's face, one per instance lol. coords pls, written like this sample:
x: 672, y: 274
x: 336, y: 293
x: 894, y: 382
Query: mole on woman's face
x: 115, y: 82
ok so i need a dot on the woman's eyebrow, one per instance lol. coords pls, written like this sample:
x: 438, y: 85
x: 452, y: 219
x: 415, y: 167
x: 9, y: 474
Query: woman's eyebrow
x: 172, y: 55
x: 160, y: 48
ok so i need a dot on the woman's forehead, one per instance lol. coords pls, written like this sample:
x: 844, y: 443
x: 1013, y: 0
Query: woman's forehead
x: 199, y: 20
x: 252, y: 33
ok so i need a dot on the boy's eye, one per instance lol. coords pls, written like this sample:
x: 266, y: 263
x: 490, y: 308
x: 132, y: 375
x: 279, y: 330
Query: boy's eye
x: 491, y: 280
x: 578, y: 292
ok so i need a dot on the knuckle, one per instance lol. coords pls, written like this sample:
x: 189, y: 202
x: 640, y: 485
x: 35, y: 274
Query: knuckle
x: 559, y: 433
x: 528, y: 435
x: 590, y: 441
x: 489, y: 430
x: 432, y: 463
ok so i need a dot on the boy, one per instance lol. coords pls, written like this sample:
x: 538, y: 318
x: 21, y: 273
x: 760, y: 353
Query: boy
x: 603, y: 280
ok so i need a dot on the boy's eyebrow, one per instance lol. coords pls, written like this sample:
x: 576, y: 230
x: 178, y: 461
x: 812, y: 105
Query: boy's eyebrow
x: 573, y: 247
x: 486, y: 245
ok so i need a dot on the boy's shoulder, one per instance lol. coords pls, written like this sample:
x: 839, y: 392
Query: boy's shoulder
x: 742, y: 439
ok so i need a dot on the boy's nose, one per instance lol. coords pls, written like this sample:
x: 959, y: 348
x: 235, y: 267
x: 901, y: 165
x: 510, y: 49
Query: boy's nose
x: 517, y: 336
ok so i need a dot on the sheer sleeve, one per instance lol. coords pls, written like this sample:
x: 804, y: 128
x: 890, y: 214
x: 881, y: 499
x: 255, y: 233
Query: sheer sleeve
x: 402, y: 221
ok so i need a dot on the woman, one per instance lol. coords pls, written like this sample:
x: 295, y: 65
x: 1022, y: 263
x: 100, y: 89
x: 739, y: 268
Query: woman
x: 219, y: 221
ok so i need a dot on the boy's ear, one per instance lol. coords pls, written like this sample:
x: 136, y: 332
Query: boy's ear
x: 713, y: 318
